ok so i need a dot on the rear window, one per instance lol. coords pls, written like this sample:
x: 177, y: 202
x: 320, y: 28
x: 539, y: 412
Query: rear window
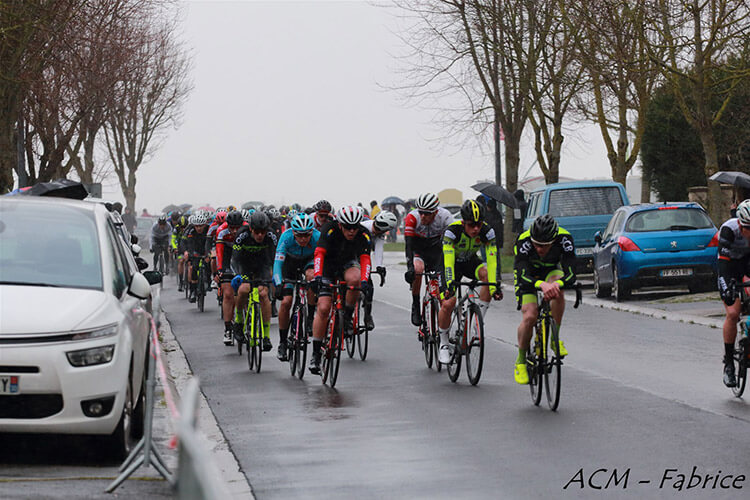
x: 584, y: 201
x: 672, y: 219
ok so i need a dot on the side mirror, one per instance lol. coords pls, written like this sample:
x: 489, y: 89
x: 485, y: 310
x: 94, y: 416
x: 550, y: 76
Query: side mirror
x: 139, y: 287
x: 153, y: 277
x: 142, y: 264
x: 133, y: 239
x: 598, y: 237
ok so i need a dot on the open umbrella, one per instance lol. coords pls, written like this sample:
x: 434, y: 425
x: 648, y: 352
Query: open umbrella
x: 185, y: 207
x: 169, y: 208
x: 497, y: 193
x: 252, y: 204
x: 392, y: 200
x: 738, y: 179
x: 60, y: 188
x: 207, y: 207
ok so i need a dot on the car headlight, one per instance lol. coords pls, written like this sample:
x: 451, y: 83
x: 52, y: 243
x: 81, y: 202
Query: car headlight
x: 105, y: 331
x: 90, y: 357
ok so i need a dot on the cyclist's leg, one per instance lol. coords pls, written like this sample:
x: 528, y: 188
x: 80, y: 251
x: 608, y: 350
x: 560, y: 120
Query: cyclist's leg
x: 320, y: 322
x: 416, y: 313
x: 480, y: 272
x: 529, y: 312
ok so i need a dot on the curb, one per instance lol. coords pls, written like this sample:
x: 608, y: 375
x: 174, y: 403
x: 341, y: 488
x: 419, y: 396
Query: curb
x: 180, y: 373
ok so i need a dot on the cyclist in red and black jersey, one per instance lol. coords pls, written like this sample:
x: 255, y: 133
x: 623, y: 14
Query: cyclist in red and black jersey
x: 342, y: 253
x: 224, y: 242
x: 193, y: 246
x: 322, y: 214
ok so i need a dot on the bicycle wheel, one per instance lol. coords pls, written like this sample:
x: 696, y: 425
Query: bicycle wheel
x: 350, y: 340
x: 553, y: 369
x: 200, y: 290
x: 301, y: 342
x: 474, y: 344
x: 741, y: 361
x: 327, y: 346
x: 185, y: 282
x: 534, y: 365
x: 243, y: 319
x: 434, y: 334
x: 336, y: 349
x: 362, y: 333
x: 454, y: 367
x: 427, y: 332
x: 292, y: 340
x: 258, y: 336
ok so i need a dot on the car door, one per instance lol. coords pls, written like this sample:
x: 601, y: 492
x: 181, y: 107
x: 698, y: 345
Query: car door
x: 136, y: 317
x: 606, y: 247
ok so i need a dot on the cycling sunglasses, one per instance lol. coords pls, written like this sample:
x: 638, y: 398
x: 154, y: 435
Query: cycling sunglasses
x: 350, y: 227
x: 427, y: 212
x: 473, y: 224
x: 303, y: 234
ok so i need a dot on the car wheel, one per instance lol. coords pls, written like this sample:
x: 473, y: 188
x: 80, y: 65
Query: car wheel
x: 119, y: 444
x: 619, y: 288
x: 600, y: 290
x: 139, y: 412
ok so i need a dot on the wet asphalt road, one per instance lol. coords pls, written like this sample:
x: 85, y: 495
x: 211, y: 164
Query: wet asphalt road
x: 641, y: 396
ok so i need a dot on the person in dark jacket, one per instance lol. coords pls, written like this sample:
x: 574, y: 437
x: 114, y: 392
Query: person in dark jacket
x: 522, y: 207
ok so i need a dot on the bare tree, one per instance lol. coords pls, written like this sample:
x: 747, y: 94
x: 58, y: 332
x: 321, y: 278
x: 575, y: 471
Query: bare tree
x: 147, y: 102
x: 31, y: 32
x: 619, y: 74
x: 707, y: 43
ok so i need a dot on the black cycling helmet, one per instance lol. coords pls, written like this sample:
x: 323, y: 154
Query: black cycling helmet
x: 471, y: 211
x: 323, y: 205
x: 543, y: 229
x: 234, y: 218
x: 259, y: 221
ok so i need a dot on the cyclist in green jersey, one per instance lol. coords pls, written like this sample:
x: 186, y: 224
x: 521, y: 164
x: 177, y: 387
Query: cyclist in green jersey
x: 461, y: 242
x: 544, y: 260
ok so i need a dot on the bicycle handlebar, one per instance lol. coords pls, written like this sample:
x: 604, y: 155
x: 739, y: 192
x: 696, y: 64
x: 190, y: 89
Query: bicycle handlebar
x: 578, y: 302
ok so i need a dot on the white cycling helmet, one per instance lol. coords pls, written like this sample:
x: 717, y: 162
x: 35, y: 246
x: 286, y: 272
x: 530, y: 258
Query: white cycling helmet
x: 743, y: 213
x: 428, y: 202
x: 191, y: 219
x: 245, y: 215
x: 200, y: 219
x: 349, y: 215
x: 385, y: 221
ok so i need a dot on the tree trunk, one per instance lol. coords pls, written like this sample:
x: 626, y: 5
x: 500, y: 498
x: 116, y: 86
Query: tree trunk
x: 498, y: 159
x: 712, y: 166
x: 645, y: 187
x: 512, y: 159
x: 8, y: 155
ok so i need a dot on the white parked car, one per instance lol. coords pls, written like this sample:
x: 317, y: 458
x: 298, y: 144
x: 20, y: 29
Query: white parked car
x: 73, y: 324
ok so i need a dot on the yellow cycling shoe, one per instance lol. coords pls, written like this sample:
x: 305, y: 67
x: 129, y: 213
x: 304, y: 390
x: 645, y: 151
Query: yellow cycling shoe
x: 521, y: 374
x: 563, y: 350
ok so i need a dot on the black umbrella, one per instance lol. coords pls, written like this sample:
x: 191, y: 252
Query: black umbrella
x: 169, y: 208
x: 497, y: 193
x: 738, y: 179
x: 60, y: 188
x: 392, y: 200
x: 251, y: 204
x: 185, y: 207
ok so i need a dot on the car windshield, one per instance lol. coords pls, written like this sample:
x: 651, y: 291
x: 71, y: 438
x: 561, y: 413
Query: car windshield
x: 49, y: 245
x: 574, y: 202
x: 668, y: 219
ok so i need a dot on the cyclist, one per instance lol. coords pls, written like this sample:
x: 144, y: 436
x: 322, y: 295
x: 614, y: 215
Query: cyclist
x: 194, y: 248
x: 461, y: 242
x: 213, y: 231
x: 544, y: 260
x: 224, y: 242
x: 342, y: 253
x: 423, y: 231
x: 322, y: 213
x: 294, y: 256
x: 252, y: 259
x: 178, y: 229
x: 378, y: 227
x: 161, y: 232
x: 734, y: 263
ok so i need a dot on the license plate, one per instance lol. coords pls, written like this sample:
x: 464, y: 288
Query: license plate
x: 9, y: 384
x: 585, y: 251
x: 676, y: 272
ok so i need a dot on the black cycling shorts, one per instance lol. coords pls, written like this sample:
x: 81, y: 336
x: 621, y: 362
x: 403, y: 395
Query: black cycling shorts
x: 333, y: 275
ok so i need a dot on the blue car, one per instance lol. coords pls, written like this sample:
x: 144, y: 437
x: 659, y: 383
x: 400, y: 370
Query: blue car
x: 665, y: 244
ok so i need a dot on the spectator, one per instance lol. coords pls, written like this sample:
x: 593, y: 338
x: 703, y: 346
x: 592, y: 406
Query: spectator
x: 521, y: 214
x: 374, y: 209
x: 129, y: 220
x: 145, y: 213
x: 365, y: 213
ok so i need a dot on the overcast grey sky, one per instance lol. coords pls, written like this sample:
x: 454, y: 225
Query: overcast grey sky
x: 287, y: 107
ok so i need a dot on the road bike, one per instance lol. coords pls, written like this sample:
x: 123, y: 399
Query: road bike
x: 161, y: 259
x: 543, y: 361
x: 299, y: 329
x: 360, y: 332
x: 203, y: 285
x: 253, y: 331
x: 185, y: 278
x: 741, y: 356
x: 467, y: 337
x: 333, y: 341
x: 428, y: 332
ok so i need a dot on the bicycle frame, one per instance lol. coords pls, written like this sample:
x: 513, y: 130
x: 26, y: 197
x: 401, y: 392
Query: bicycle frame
x: 427, y: 332
x: 253, y: 337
